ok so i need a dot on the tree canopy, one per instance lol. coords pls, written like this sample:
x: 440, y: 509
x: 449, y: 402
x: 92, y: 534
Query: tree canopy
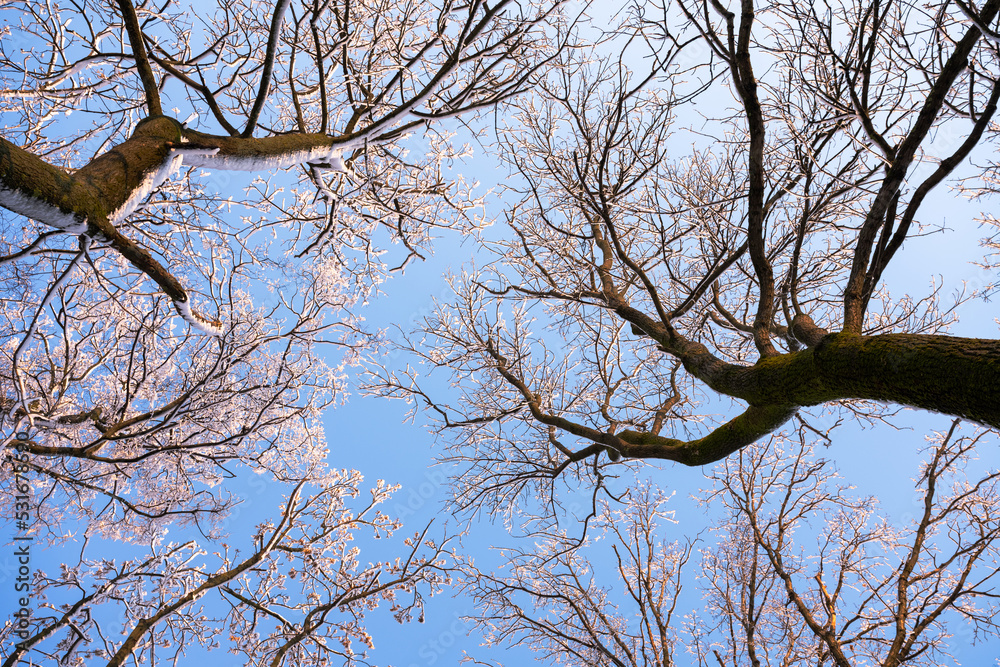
x: 691, y: 267
x: 165, y: 334
x: 683, y: 254
x: 703, y: 204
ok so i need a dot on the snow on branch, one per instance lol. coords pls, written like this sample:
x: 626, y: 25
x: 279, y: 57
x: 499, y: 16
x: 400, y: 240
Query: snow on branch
x: 155, y: 177
x: 197, y: 321
x: 38, y: 209
x: 250, y: 154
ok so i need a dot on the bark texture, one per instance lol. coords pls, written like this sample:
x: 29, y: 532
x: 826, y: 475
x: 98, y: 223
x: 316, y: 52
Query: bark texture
x: 947, y: 374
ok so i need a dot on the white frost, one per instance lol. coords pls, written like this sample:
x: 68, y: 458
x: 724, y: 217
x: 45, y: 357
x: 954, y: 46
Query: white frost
x: 337, y: 163
x: 70, y: 71
x: 197, y: 323
x: 49, y: 295
x: 152, y: 180
x: 42, y: 211
x: 334, y: 155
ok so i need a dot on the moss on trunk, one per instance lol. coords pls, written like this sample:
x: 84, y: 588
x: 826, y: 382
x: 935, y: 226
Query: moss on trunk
x: 956, y: 376
x: 948, y: 374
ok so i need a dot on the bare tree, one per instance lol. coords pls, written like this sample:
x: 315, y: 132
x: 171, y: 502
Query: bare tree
x: 797, y: 570
x: 295, y: 593
x: 166, y: 327
x: 703, y: 219
x: 557, y: 600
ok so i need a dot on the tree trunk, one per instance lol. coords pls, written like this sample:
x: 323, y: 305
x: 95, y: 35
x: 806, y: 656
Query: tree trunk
x: 955, y: 376
x: 947, y: 374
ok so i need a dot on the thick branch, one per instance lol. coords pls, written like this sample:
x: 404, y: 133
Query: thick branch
x: 265, y: 76
x: 951, y: 375
x: 260, y: 154
x: 948, y: 374
x: 747, y: 428
x: 106, y: 190
x: 746, y: 84
x: 141, y: 59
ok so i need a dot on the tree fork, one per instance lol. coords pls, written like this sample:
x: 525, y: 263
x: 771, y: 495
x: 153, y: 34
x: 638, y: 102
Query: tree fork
x: 947, y: 374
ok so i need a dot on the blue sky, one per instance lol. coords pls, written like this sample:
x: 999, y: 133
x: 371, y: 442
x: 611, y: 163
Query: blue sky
x: 368, y: 434
x: 878, y: 460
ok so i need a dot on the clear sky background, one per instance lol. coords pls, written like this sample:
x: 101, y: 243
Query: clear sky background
x: 369, y: 435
